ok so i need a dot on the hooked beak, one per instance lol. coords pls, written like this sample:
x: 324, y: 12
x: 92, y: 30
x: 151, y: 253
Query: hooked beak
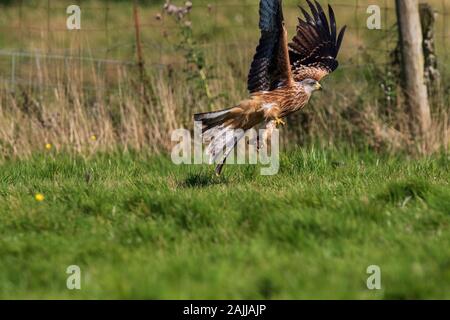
x: 318, y: 86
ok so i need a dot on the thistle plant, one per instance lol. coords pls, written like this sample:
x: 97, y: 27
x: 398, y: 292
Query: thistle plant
x: 197, y: 69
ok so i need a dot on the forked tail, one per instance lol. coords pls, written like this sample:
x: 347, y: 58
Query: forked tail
x: 219, y: 131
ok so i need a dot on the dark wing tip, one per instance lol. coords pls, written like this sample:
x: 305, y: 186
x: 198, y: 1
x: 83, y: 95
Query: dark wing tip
x: 340, y: 38
x: 270, y: 15
x: 316, y: 44
x: 313, y: 10
x: 271, y: 24
x: 332, y: 23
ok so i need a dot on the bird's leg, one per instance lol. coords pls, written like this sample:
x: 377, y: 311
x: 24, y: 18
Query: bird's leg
x: 256, y: 142
x: 270, y: 126
x: 279, y: 121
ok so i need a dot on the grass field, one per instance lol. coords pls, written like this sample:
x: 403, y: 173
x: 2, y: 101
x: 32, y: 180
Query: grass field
x: 140, y: 227
x: 64, y: 100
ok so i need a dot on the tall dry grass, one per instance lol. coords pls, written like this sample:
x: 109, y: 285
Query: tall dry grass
x: 83, y: 118
x: 83, y: 107
x: 87, y: 112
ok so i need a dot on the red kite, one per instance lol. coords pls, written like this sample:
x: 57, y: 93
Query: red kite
x: 282, y: 76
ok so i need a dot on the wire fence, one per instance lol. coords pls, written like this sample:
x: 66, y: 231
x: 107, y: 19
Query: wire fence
x: 35, y: 34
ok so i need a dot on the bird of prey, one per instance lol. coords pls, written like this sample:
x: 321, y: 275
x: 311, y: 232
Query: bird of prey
x: 282, y: 76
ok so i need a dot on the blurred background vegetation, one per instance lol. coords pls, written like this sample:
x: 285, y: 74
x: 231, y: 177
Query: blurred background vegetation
x: 141, y: 227
x: 63, y: 87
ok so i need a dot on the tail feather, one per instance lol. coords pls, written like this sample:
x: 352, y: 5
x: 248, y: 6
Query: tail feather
x: 222, y: 138
x: 224, y: 143
x: 212, y: 119
x: 230, y: 144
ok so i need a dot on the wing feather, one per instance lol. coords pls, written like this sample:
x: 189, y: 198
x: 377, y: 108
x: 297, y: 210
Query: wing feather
x: 340, y: 38
x: 314, y: 49
x: 332, y: 24
x: 271, y: 66
x: 306, y: 14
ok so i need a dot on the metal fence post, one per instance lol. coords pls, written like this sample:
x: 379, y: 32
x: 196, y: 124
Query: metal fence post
x: 13, y: 72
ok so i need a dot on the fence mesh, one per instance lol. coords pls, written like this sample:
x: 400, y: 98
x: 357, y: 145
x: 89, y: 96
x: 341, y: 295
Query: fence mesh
x: 34, y: 33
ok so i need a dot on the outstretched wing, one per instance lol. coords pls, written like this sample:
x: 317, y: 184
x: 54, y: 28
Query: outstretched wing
x: 314, y: 49
x: 271, y: 66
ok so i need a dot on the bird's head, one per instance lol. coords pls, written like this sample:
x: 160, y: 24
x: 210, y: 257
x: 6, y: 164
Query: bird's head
x: 311, y: 85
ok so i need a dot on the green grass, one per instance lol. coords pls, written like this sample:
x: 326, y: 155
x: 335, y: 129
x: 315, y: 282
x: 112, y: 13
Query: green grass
x: 140, y: 227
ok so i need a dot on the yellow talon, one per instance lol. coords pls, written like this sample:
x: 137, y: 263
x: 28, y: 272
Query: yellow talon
x: 279, y: 121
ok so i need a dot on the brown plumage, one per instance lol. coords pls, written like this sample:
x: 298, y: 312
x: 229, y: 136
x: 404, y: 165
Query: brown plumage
x: 282, y: 76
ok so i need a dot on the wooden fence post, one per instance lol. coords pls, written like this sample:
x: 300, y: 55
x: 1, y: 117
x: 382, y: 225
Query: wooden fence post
x: 432, y: 75
x: 414, y: 88
x: 146, y: 88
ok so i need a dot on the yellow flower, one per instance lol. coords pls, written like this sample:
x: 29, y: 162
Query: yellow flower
x: 48, y: 146
x: 39, y: 197
x: 93, y: 138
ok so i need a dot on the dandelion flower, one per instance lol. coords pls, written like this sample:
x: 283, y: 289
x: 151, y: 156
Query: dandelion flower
x: 48, y: 146
x: 39, y: 197
x: 93, y: 138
